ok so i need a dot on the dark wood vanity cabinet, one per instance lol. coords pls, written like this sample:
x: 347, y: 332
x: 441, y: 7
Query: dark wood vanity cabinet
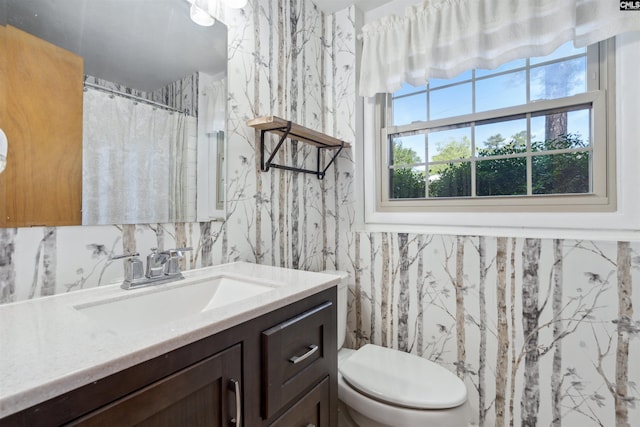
x: 200, y: 395
x: 279, y: 369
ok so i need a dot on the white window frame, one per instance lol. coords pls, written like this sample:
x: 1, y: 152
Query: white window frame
x: 211, y: 202
x: 602, y: 197
x: 623, y: 128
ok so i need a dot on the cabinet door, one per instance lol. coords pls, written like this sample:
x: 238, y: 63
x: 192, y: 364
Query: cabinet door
x: 205, y: 394
x: 310, y: 411
x: 41, y: 113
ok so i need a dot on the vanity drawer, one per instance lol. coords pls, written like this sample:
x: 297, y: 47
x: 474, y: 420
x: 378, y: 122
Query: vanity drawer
x: 312, y: 410
x: 296, y: 356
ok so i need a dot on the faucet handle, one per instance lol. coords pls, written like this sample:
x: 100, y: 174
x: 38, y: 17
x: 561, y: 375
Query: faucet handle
x: 172, y: 266
x: 179, y: 251
x: 124, y: 256
x: 133, y: 269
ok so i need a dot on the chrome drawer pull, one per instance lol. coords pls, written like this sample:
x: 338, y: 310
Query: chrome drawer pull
x: 236, y: 389
x: 297, y: 359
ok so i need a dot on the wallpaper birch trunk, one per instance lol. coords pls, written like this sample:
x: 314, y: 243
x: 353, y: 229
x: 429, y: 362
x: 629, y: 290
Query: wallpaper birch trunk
x: 542, y: 331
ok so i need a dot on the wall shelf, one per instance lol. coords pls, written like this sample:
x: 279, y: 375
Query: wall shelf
x: 287, y: 129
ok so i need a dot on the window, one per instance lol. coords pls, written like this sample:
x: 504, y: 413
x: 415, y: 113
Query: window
x: 531, y: 135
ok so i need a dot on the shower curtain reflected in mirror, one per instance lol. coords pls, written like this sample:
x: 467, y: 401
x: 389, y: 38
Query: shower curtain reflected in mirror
x: 138, y: 162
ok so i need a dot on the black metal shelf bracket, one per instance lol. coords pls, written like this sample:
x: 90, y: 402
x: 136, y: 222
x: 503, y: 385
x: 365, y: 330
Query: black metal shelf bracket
x: 286, y: 133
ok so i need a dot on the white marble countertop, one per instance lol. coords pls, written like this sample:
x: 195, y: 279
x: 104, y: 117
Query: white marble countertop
x: 48, y: 347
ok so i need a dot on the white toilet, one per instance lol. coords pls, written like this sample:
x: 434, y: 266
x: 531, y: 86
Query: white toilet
x: 382, y: 387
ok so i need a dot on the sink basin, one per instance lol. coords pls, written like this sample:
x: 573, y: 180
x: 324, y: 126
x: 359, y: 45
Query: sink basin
x: 141, y: 309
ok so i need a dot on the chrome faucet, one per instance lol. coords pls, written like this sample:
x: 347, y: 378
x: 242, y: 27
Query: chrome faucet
x: 155, y: 264
x: 161, y: 267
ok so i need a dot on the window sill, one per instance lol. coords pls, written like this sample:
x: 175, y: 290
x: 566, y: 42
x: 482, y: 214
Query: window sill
x: 600, y: 226
x: 576, y: 203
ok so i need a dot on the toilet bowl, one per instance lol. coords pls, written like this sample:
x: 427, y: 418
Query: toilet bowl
x: 382, y: 387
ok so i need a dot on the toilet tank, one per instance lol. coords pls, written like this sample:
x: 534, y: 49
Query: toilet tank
x: 343, y: 287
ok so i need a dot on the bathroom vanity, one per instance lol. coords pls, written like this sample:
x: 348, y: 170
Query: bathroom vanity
x: 260, y: 357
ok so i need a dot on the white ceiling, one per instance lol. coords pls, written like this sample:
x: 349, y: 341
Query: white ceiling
x: 331, y: 6
x: 143, y: 44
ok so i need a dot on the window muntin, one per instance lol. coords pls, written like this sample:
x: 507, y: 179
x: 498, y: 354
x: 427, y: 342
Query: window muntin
x: 502, y: 123
x: 560, y: 74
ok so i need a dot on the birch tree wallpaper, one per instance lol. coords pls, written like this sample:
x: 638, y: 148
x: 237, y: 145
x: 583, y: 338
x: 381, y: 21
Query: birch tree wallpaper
x: 542, y: 331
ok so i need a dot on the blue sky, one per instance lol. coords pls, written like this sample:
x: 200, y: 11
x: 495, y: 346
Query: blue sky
x: 491, y: 93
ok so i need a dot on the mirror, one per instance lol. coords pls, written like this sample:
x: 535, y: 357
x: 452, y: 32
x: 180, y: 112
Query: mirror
x: 153, y: 106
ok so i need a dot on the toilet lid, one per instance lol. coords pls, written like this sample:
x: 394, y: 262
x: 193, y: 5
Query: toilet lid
x: 403, y: 379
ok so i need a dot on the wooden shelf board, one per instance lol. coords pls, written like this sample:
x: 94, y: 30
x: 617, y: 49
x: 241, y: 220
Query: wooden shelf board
x: 298, y: 132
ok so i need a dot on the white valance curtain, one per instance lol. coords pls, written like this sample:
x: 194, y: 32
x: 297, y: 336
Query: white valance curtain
x: 442, y: 38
